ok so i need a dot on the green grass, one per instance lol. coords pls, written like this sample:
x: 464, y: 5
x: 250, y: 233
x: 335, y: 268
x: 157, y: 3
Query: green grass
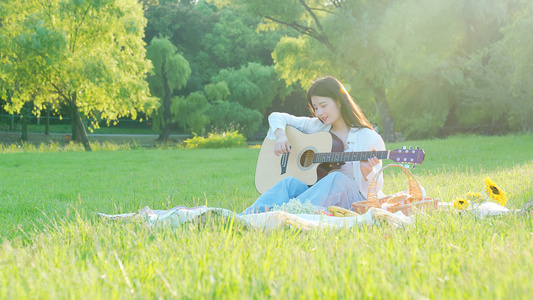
x: 54, y: 247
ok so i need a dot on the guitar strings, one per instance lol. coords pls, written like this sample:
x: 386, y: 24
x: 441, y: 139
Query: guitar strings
x: 344, y: 154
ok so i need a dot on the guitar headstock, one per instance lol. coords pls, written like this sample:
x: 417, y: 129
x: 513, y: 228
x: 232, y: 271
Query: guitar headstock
x: 407, y: 156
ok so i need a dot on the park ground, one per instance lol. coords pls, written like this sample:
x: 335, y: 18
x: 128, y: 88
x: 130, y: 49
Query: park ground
x: 53, y: 246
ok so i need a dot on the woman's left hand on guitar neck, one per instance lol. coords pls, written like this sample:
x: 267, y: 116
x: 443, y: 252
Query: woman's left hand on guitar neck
x: 367, y: 165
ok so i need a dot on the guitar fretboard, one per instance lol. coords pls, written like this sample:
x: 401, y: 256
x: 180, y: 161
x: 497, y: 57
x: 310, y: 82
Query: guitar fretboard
x: 349, y: 156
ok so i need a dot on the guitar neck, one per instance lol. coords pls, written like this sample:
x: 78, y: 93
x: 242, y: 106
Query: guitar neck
x: 349, y: 156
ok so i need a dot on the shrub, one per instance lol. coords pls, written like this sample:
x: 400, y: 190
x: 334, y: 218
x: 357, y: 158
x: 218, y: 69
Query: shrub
x: 217, y: 140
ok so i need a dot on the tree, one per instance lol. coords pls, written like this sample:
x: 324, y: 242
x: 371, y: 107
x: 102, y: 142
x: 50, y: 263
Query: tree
x: 171, y: 72
x: 228, y: 115
x: 254, y: 86
x: 191, y: 111
x: 87, y: 55
x: 369, y: 45
x: 210, y: 38
x: 518, y: 43
x: 498, y: 88
x: 424, y: 102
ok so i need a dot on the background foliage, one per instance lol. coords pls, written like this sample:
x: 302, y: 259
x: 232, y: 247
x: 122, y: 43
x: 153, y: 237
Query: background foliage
x: 419, y: 69
x: 80, y: 57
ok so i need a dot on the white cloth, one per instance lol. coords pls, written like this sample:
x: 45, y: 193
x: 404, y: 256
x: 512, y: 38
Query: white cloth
x: 484, y: 209
x: 359, y: 139
x: 271, y: 220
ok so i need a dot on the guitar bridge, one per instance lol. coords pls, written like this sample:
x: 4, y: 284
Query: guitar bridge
x: 283, y: 163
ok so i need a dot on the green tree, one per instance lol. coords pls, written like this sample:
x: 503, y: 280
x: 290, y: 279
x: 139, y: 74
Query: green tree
x: 171, y: 72
x: 425, y: 102
x: 498, y: 88
x: 88, y: 55
x: 217, y: 91
x: 210, y: 38
x: 229, y: 116
x: 191, y: 111
x: 518, y: 43
x: 254, y: 86
x: 369, y: 45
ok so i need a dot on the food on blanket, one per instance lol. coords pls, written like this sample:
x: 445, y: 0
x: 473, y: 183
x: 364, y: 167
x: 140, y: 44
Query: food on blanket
x: 294, y: 206
x: 351, y: 214
x: 335, y: 209
x: 342, y: 212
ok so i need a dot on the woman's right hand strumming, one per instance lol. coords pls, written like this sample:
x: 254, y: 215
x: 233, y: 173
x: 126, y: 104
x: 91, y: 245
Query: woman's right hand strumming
x: 282, y: 143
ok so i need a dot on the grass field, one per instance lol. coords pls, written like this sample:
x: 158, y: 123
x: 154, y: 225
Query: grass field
x: 54, y: 247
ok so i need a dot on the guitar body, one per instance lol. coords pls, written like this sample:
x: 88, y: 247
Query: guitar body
x: 270, y: 171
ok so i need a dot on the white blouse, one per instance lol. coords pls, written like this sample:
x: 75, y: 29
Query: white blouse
x: 359, y: 139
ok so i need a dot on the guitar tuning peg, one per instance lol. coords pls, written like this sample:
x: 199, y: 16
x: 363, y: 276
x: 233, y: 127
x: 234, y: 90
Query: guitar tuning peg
x: 404, y: 147
x: 406, y: 166
x: 414, y: 166
x: 410, y: 147
x: 417, y: 147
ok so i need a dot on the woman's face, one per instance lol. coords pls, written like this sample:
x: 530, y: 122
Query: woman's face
x: 326, y: 109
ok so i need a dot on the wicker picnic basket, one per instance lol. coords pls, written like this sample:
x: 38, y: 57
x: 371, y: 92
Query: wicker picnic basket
x: 406, y: 201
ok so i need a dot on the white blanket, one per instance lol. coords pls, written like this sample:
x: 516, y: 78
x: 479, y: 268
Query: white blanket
x: 270, y: 220
x: 279, y: 219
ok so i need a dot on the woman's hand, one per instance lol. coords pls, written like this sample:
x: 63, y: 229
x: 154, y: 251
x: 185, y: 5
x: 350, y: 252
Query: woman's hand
x: 282, y: 143
x: 367, y: 165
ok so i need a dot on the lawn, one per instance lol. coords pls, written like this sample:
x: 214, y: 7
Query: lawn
x: 53, y: 246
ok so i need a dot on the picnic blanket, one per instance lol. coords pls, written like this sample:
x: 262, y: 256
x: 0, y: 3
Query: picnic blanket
x: 280, y: 219
x: 269, y: 220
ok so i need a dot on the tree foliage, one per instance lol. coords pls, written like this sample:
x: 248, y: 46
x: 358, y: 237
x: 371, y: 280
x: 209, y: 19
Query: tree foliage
x: 409, y: 56
x: 414, y: 66
x: 228, y: 116
x: 191, y: 112
x: 229, y: 60
x: 87, y: 55
x: 498, y: 86
x: 171, y: 72
x: 254, y: 86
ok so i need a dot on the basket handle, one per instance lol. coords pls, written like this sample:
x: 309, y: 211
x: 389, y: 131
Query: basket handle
x: 414, y: 186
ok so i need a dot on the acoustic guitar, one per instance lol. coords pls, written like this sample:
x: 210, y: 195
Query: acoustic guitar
x: 313, y: 156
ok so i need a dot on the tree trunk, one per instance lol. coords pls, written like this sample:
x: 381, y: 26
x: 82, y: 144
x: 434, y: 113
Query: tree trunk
x: 24, y: 135
x: 167, y: 116
x: 74, y: 125
x: 47, y: 123
x: 82, y: 133
x: 451, y: 123
x: 387, y: 124
x: 166, y: 133
x: 25, y: 117
x: 451, y: 119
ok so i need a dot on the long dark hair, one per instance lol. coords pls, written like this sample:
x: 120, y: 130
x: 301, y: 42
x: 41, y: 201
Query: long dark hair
x: 332, y: 88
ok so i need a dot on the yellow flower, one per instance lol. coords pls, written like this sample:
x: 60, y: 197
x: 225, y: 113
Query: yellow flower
x: 473, y: 196
x: 460, y: 203
x: 495, y: 192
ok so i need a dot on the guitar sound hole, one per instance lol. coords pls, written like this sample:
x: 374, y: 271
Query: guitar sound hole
x: 306, y: 159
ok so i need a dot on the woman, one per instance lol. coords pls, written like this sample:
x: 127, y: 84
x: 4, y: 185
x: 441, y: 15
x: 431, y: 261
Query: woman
x: 335, y: 111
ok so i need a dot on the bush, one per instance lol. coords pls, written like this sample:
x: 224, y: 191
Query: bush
x: 216, y: 141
